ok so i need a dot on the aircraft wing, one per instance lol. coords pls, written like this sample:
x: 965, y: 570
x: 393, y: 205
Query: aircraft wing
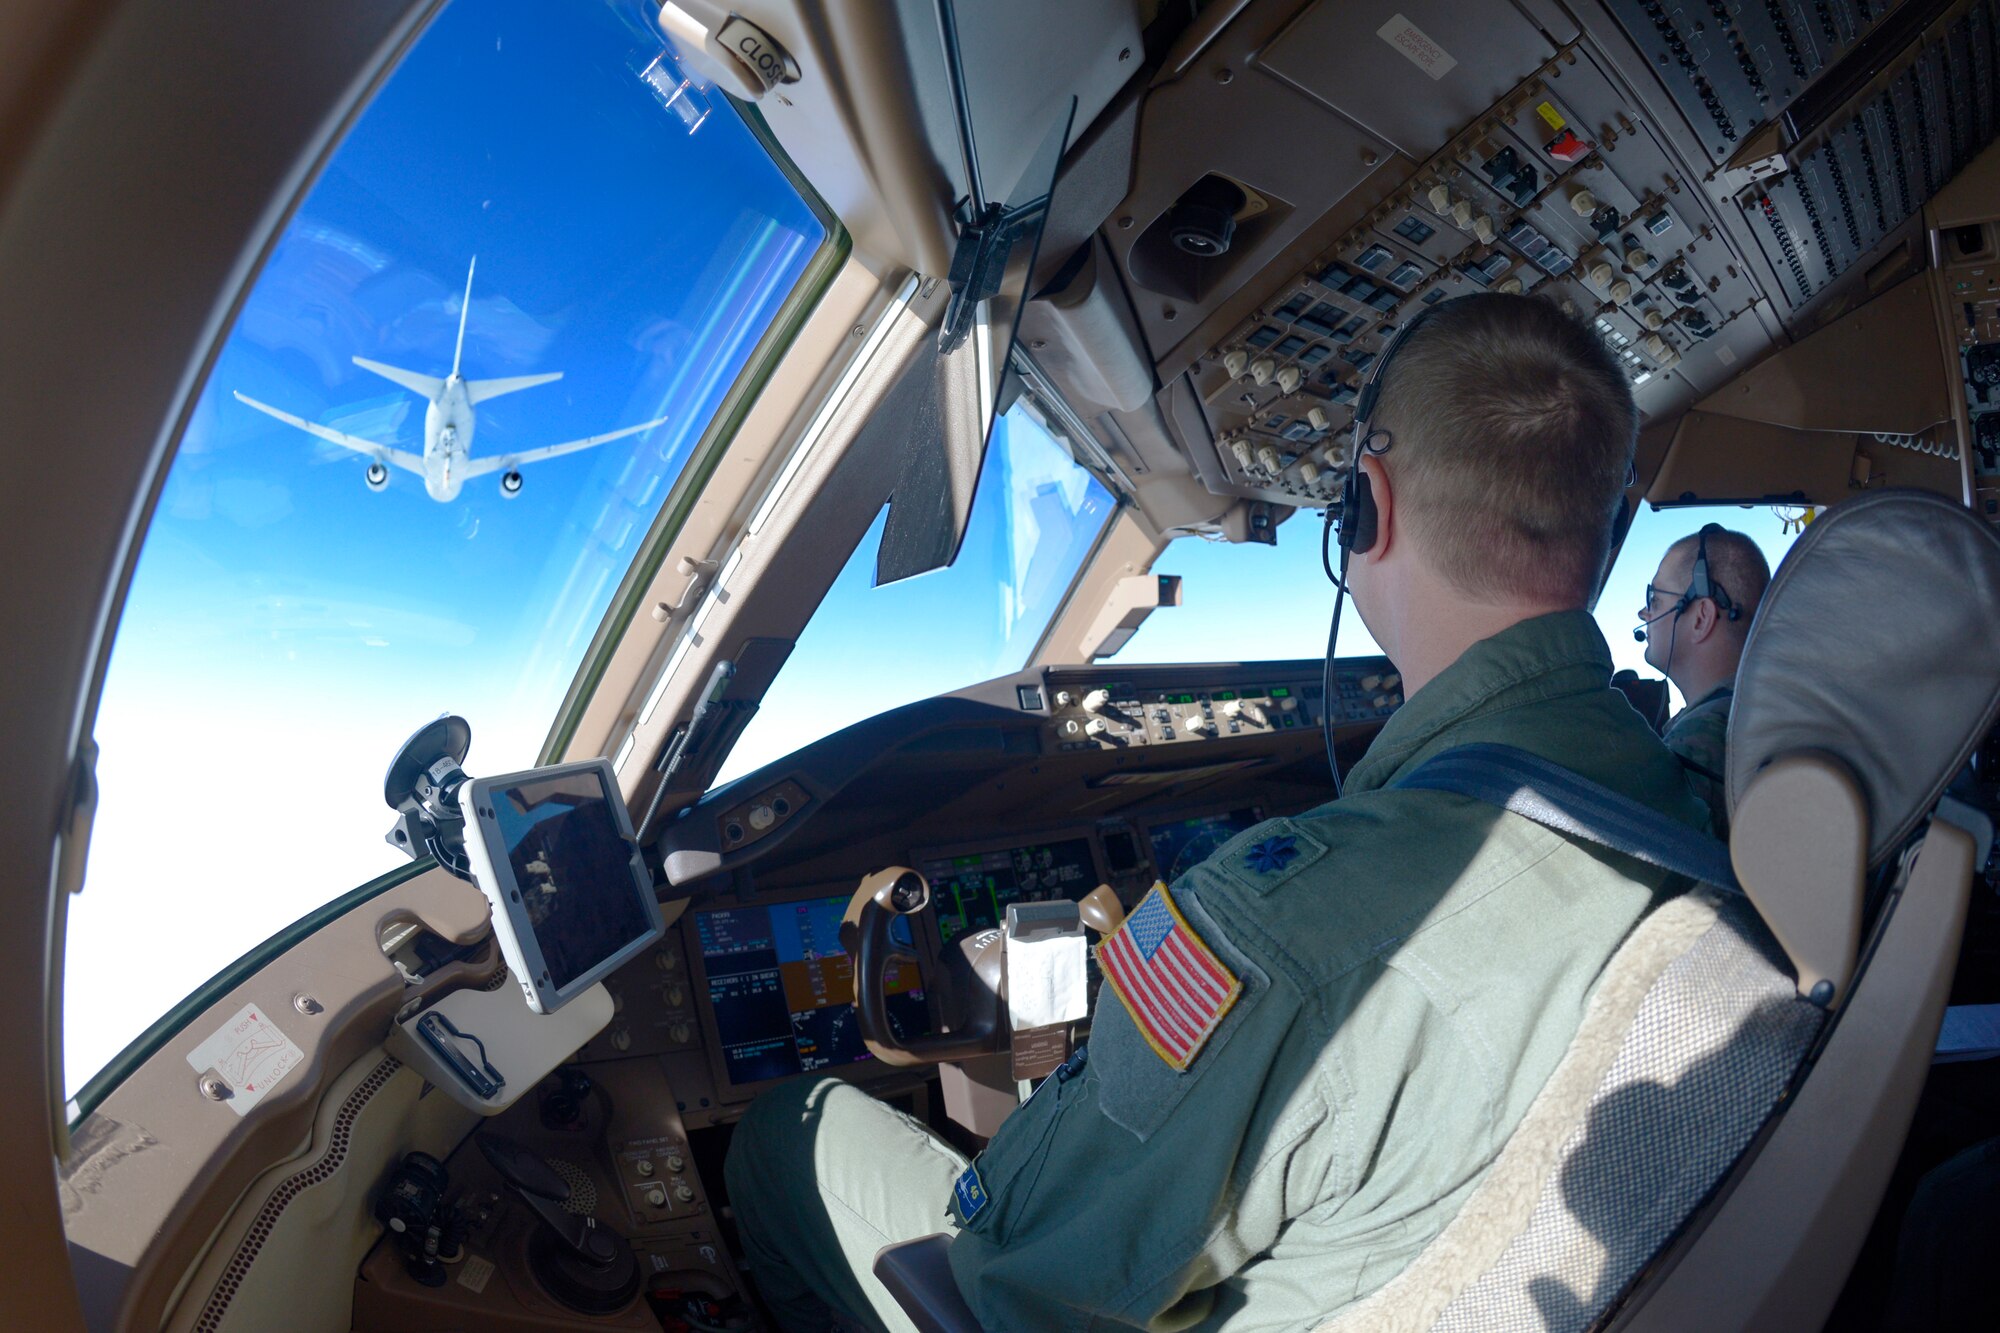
x: 383, y: 453
x: 480, y: 467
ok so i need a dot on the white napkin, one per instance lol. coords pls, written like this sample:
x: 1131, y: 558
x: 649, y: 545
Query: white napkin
x: 1046, y: 981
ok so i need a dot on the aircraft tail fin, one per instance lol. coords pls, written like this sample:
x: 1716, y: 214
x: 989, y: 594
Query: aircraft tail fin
x: 479, y: 391
x: 430, y: 386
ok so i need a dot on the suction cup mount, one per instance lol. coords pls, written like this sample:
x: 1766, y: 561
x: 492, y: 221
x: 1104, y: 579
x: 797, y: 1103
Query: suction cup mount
x: 422, y: 788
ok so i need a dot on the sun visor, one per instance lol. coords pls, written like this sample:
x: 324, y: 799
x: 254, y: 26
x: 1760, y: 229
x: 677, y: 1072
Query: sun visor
x: 1878, y: 642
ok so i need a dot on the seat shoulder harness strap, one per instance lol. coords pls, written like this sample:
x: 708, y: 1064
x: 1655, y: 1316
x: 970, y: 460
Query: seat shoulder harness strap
x: 1571, y: 804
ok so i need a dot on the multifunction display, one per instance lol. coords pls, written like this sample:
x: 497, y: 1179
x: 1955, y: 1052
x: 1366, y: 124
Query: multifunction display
x: 782, y: 989
x: 971, y: 892
x: 1181, y: 845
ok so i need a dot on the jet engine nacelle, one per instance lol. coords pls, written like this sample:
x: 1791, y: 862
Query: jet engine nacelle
x: 378, y: 477
x: 510, y: 485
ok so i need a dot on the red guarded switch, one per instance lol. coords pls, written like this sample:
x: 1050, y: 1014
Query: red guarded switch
x: 1566, y: 147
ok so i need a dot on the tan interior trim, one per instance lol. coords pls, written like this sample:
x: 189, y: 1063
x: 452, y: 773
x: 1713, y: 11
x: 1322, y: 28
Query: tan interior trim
x: 1799, y: 842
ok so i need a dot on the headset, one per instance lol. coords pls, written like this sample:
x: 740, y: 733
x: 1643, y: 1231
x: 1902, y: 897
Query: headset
x: 1358, y: 515
x: 1357, y: 521
x: 1700, y: 585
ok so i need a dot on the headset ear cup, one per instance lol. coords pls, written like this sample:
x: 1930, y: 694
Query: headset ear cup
x: 1360, y: 516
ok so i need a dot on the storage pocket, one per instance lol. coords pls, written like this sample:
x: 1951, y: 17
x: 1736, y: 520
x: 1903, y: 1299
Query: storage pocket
x: 1010, y: 1168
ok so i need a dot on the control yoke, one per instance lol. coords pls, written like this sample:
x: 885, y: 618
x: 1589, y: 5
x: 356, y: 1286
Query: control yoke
x: 974, y: 1009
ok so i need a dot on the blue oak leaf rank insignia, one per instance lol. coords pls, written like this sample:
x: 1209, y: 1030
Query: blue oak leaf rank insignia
x: 1272, y: 855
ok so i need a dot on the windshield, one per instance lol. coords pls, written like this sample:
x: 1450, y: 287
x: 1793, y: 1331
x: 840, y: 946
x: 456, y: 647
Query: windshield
x: 537, y: 234
x: 1036, y: 515
x: 1245, y: 601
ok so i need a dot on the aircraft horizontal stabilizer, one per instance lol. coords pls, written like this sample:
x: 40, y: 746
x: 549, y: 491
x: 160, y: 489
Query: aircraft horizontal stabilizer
x: 430, y: 386
x: 479, y: 467
x: 381, y: 453
x: 478, y: 391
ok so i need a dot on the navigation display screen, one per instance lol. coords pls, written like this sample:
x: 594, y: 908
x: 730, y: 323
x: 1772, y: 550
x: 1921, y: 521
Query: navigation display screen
x: 573, y: 870
x: 972, y: 892
x: 782, y: 989
x: 1185, y: 843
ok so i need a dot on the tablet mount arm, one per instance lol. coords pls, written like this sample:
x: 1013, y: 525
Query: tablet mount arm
x: 422, y: 788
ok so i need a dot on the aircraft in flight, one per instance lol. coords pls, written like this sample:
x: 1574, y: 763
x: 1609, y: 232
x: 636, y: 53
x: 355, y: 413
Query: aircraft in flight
x: 446, y: 463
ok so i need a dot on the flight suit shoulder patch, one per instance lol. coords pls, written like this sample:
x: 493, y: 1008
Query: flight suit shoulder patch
x: 1173, y: 987
x: 1273, y: 854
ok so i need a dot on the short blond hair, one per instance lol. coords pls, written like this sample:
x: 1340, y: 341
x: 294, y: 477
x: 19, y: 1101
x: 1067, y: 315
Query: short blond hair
x: 1511, y: 432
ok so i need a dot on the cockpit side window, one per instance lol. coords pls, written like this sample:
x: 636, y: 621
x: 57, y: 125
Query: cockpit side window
x: 478, y: 359
x: 1036, y: 516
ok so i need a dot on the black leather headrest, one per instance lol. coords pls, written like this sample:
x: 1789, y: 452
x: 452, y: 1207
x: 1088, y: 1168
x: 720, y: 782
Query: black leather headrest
x: 1878, y: 641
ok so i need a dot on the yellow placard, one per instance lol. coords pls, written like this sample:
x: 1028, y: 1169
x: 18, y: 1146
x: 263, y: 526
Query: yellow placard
x: 1552, y: 116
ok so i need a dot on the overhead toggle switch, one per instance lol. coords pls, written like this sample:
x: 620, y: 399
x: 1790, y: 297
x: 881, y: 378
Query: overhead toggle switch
x: 1482, y: 227
x: 1288, y: 379
x: 1654, y: 345
x: 1234, y: 363
x: 1440, y: 197
x: 1461, y: 213
x: 1260, y: 370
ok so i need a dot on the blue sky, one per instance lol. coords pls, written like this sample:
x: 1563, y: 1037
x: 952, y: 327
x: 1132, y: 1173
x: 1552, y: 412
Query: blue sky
x: 288, y: 625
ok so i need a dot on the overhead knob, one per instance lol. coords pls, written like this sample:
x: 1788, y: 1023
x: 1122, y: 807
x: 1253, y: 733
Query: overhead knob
x: 1392, y: 680
x: 1239, y: 449
x: 762, y: 817
x: 1654, y: 345
x: 645, y: 1166
x: 655, y: 1196
x: 675, y: 996
x: 1652, y: 319
x: 683, y: 1191
x: 1482, y: 227
x: 676, y: 1163
x: 1234, y: 362
x: 1371, y: 682
x: 681, y: 1032
x: 1317, y: 418
x: 1197, y: 724
x: 1583, y: 203
x: 1064, y: 698
x: 617, y: 1001
x: 621, y: 1040
x: 1440, y: 197
x: 1095, y: 701
x: 1097, y: 726
x: 1461, y: 213
x: 1261, y: 370
x: 1601, y: 272
x: 1637, y: 257
x: 1308, y: 472
x: 1288, y: 379
x: 1287, y: 704
x: 1234, y: 708
x: 1267, y: 458
x: 666, y: 960
x: 1621, y: 291
x: 1512, y: 286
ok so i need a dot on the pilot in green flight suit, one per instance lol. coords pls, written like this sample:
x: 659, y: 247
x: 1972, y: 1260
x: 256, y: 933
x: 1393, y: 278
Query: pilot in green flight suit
x: 1310, y: 1047
x: 1709, y: 582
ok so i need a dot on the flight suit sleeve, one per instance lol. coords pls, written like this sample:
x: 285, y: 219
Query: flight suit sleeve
x: 1120, y: 1196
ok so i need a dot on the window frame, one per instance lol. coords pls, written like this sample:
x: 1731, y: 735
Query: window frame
x: 792, y: 318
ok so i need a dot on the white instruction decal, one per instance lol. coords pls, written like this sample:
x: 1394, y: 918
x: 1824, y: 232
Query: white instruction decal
x: 1424, y: 53
x: 476, y: 1273
x: 249, y: 1055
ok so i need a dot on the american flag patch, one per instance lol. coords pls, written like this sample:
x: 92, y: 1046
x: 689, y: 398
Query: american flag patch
x: 1174, y: 988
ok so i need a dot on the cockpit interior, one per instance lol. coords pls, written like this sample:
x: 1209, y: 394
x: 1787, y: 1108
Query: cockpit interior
x: 991, y: 342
